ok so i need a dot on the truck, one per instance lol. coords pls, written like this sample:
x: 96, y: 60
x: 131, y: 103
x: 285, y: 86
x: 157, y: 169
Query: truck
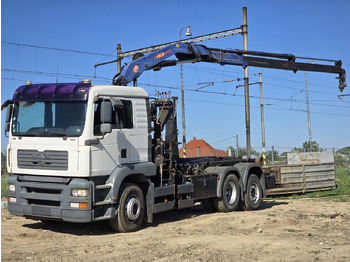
x: 81, y: 153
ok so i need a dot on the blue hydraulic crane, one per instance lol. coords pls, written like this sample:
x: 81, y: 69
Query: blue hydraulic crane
x: 187, y: 52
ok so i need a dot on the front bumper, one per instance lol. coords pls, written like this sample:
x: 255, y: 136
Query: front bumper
x: 40, y: 197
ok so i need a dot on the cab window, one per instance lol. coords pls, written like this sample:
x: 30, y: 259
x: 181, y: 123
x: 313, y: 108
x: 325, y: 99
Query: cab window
x: 122, y: 115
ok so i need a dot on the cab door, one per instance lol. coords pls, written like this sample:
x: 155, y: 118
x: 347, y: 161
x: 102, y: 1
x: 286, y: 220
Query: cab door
x: 112, y: 148
x: 128, y: 141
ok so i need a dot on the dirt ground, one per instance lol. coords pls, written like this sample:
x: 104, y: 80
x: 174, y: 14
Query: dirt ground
x: 281, y: 230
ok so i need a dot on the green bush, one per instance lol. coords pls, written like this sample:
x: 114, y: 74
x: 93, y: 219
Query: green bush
x: 342, y: 179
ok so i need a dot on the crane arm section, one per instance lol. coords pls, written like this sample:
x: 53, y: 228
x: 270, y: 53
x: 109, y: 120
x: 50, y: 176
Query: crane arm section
x: 185, y: 52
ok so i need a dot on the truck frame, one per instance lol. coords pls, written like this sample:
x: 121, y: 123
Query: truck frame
x: 81, y: 153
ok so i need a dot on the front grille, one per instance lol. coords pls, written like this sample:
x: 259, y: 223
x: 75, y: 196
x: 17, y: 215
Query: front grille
x: 44, y: 191
x: 43, y: 202
x: 100, y: 194
x: 47, y: 160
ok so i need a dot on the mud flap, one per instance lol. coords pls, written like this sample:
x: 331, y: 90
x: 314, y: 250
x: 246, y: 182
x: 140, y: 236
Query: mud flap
x: 150, y: 202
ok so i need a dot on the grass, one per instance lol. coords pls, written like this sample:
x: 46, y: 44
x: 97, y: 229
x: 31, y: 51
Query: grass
x: 3, y: 186
x: 343, y: 181
x: 291, y: 230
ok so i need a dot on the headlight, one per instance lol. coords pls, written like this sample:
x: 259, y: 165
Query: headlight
x: 80, y: 192
x: 11, y: 187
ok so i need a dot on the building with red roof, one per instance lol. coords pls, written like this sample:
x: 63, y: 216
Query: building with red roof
x: 198, y: 147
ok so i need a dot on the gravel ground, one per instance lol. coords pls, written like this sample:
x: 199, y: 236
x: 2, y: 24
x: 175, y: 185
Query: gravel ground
x: 281, y: 230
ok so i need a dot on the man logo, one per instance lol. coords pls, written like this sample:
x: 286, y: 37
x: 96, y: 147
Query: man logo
x: 41, y: 158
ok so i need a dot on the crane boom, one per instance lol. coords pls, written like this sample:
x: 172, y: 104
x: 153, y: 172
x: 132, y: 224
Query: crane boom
x: 186, y: 52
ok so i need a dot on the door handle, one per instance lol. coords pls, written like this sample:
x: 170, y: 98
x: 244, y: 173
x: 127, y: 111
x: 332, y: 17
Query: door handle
x: 123, y: 153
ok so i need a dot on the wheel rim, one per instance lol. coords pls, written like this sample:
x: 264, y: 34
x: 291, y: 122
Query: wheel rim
x: 254, y: 193
x: 231, y: 193
x: 132, y: 208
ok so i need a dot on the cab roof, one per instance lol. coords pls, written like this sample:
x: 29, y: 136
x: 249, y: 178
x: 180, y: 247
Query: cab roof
x: 52, y: 92
x: 72, y: 92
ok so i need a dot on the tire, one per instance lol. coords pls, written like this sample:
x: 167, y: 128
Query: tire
x: 230, y: 195
x: 131, y: 210
x: 253, y: 195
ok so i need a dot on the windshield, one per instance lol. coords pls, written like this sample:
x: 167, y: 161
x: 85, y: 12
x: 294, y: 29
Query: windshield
x: 49, y: 118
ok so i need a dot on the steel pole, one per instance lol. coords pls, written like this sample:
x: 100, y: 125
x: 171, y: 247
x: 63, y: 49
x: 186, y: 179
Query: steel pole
x: 262, y: 120
x: 237, y: 146
x: 308, y: 112
x: 119, y: 58
x: 183, y: 106
x: 246, y: 81
x: 183, y: 114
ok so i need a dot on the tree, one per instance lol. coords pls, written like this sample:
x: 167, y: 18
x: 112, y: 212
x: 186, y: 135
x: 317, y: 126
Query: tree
x: 241, y: 151
x: 3, y: 163
x: 342, y: 157
x: 344, y: 151
x: 269, y: 156
x: 306, y: 147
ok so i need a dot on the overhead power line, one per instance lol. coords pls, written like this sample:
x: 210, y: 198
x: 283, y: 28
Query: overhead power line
x: 223, y: 140
x: 216, y: 35
x: 74, y: 76
x: 254, y: 97
x: 234, y: 70
x: 268, y: 108
x: 293, y: 88
x: 57, y: 49
x: 221, y: 72
x: 79, y: 77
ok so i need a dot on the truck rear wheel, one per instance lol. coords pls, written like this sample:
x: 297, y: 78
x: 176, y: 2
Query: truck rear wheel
x: 253, y: 195
x: 229, y: 199
x: 131, y: 210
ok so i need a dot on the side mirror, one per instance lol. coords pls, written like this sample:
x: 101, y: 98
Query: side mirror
x: 106, y: 112
x: 106, y: 117
x: 106, y: 128
x: 8, y: 119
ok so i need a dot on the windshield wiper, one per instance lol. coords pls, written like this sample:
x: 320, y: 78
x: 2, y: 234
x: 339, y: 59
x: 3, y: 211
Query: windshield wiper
x: 25, y: 134
x: 52, y: 134
x: 43, y: 134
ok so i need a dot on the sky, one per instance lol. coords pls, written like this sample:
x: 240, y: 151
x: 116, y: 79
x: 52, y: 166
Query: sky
x: 49, y: 41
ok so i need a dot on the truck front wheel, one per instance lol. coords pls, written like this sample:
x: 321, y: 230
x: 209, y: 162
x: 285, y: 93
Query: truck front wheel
x: 131, y: 210
x: 253, y: 195
x: 229, y: 199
